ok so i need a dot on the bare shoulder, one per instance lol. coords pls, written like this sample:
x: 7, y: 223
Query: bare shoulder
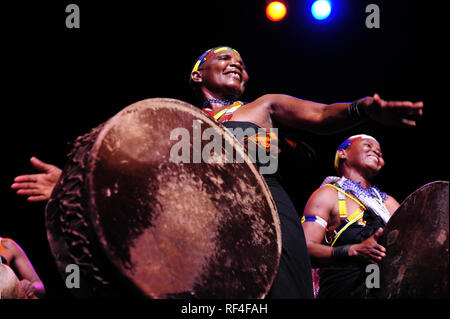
x: 267, y: 100
x: 257, y: 111
x: 391, y: 204
x: 324, y: 192
x: 263, y: 101
x: 9, y: 243
x: 323, y: 196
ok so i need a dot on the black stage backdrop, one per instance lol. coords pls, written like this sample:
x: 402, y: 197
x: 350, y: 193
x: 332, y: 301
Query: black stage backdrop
x: 59, y: 82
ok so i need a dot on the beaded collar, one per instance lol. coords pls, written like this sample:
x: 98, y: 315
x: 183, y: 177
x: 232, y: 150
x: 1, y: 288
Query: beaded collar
x: 356, y: 189
x: 223, y: 102
x: 371, y: 197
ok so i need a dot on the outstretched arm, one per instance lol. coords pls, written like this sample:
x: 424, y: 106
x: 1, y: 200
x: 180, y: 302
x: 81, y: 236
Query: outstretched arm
x: 327, y: 119
x: 37, y: 187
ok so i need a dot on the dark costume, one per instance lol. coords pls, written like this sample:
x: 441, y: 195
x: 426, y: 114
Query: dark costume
x: 345, y: 278
x: 294, y: 279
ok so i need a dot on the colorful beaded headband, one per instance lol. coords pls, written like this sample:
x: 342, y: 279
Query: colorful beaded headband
x: 209, y: 53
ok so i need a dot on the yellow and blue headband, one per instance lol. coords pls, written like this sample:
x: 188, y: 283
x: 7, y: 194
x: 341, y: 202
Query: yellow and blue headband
x: 209, y: 53
x: 344, y: 145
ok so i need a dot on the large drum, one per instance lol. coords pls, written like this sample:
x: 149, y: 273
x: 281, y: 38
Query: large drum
x: 137, y: 214
x: 416, y: 240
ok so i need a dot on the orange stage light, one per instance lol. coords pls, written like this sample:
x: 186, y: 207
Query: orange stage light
x: 276, y: 11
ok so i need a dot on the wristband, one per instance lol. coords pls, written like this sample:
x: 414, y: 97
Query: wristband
x: 340, y: 252
x: 355, y: 111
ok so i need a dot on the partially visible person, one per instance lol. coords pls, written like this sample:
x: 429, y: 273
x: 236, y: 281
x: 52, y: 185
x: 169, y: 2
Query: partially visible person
x: 10, y: 287
x: 15, y: 265
x: 343, y: 219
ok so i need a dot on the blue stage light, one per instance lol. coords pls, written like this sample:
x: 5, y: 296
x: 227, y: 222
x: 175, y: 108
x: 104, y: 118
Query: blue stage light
x: 321, y: 9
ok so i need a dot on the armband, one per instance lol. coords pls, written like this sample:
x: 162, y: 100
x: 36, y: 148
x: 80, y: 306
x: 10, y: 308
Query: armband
x: 315, y: 219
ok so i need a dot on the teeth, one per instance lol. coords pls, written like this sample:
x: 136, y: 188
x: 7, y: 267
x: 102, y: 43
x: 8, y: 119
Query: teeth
x: 235, y: 74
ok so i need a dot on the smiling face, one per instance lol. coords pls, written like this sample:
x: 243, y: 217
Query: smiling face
x: 223, y: 75
x: 365, y: 155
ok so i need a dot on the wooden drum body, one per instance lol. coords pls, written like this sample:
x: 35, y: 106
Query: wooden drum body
x: 136, y: 223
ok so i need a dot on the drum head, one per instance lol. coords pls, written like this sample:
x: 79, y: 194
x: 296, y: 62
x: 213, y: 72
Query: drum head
x: 10, y: 287
x: 180, y: 229
x: 416, y: 240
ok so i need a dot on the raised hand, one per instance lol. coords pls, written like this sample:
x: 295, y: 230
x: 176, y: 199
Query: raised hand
x: 403, y: 113
x: 37, y: 187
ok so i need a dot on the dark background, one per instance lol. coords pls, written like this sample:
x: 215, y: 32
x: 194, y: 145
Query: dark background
x: 58, y: 83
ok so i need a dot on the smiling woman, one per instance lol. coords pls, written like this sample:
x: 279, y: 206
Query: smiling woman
x: 225, y: 73
x: 367, y: 149
x: 344, y: 218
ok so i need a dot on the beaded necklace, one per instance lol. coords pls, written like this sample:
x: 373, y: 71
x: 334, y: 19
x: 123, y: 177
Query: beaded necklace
x: 356, y: 189
x: 225, y: 114
x: 371, y: 197
x: 223, y: 102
